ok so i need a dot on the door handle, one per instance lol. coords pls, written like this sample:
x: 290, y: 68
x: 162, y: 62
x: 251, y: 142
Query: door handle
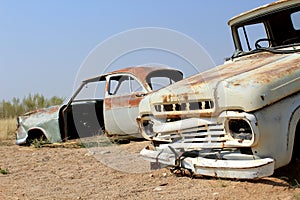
x: 140, y: 94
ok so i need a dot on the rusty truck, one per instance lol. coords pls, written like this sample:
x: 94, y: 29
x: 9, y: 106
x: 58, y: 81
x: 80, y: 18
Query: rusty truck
x: 239, y: 119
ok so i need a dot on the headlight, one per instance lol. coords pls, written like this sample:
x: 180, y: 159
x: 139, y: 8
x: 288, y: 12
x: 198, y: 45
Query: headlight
x: 148, y: 128
x: 240, y: 129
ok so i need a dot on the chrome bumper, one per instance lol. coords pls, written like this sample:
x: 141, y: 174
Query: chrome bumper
x: 239, y: 166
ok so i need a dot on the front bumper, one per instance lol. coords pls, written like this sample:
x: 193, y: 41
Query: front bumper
x: 228, y: 165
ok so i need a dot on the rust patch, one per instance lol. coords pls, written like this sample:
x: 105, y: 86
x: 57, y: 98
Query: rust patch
x: 235, y: 68
x: 127, y: 101
x: 183, y: 115
x: 273, y: 72
x: 50, y: 110
x: 140, y: 72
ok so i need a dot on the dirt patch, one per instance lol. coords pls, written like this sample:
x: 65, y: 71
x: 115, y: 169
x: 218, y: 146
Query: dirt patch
x: 70, y: 172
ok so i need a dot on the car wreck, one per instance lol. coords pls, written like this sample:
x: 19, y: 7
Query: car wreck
x: 239, y: 119
x: 87, y: 113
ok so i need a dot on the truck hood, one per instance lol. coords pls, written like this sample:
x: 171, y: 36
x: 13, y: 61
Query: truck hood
x: 247, y: 83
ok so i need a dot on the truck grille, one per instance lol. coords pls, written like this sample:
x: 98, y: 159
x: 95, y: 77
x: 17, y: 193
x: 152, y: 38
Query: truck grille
x: 196, y: 105
x: 208, y: 136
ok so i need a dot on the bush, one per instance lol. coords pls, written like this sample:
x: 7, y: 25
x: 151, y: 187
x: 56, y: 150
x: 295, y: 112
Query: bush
x: 3, y: 171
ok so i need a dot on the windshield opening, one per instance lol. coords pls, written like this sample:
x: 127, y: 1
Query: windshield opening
x: 250, y: 34
x: 91, y: 91
x: 268, y: 31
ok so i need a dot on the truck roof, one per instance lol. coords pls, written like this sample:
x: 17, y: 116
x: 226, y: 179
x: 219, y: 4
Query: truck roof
x: 262, y: 10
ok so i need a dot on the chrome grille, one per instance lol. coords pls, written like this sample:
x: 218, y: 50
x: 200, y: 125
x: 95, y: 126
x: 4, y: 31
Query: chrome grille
x: 208, y: 136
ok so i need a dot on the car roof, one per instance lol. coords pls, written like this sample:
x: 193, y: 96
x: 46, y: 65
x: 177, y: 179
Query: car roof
x: 141, y: 72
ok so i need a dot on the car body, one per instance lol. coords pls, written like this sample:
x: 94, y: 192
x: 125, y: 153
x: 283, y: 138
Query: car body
x: 239, y: 119
x: 87, y: 113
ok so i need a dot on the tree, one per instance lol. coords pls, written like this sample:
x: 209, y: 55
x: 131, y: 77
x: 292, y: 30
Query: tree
x: 31, y: 102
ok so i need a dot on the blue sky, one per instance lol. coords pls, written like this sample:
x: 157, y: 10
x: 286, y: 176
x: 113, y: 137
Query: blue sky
x: 43, y: 43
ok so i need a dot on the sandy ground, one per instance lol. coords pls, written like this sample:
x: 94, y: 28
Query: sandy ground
x: 117, y: 172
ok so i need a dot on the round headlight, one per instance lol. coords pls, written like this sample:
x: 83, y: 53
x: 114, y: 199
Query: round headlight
x: 148, y: 128
x: 240, y: 129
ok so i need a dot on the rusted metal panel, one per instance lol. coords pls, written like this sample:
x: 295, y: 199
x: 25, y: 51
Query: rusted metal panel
x: 49, y: 110
x: 126, y: 101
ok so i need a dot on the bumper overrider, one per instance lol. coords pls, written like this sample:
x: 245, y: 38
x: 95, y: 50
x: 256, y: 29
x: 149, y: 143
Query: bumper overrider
x: 218, y: 147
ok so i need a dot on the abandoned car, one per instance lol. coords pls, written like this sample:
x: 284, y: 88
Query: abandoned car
x: 239, y: 119
x: 87, y: 113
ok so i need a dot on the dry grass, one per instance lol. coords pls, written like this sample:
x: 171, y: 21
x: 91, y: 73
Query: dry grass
x: 7, y: 128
